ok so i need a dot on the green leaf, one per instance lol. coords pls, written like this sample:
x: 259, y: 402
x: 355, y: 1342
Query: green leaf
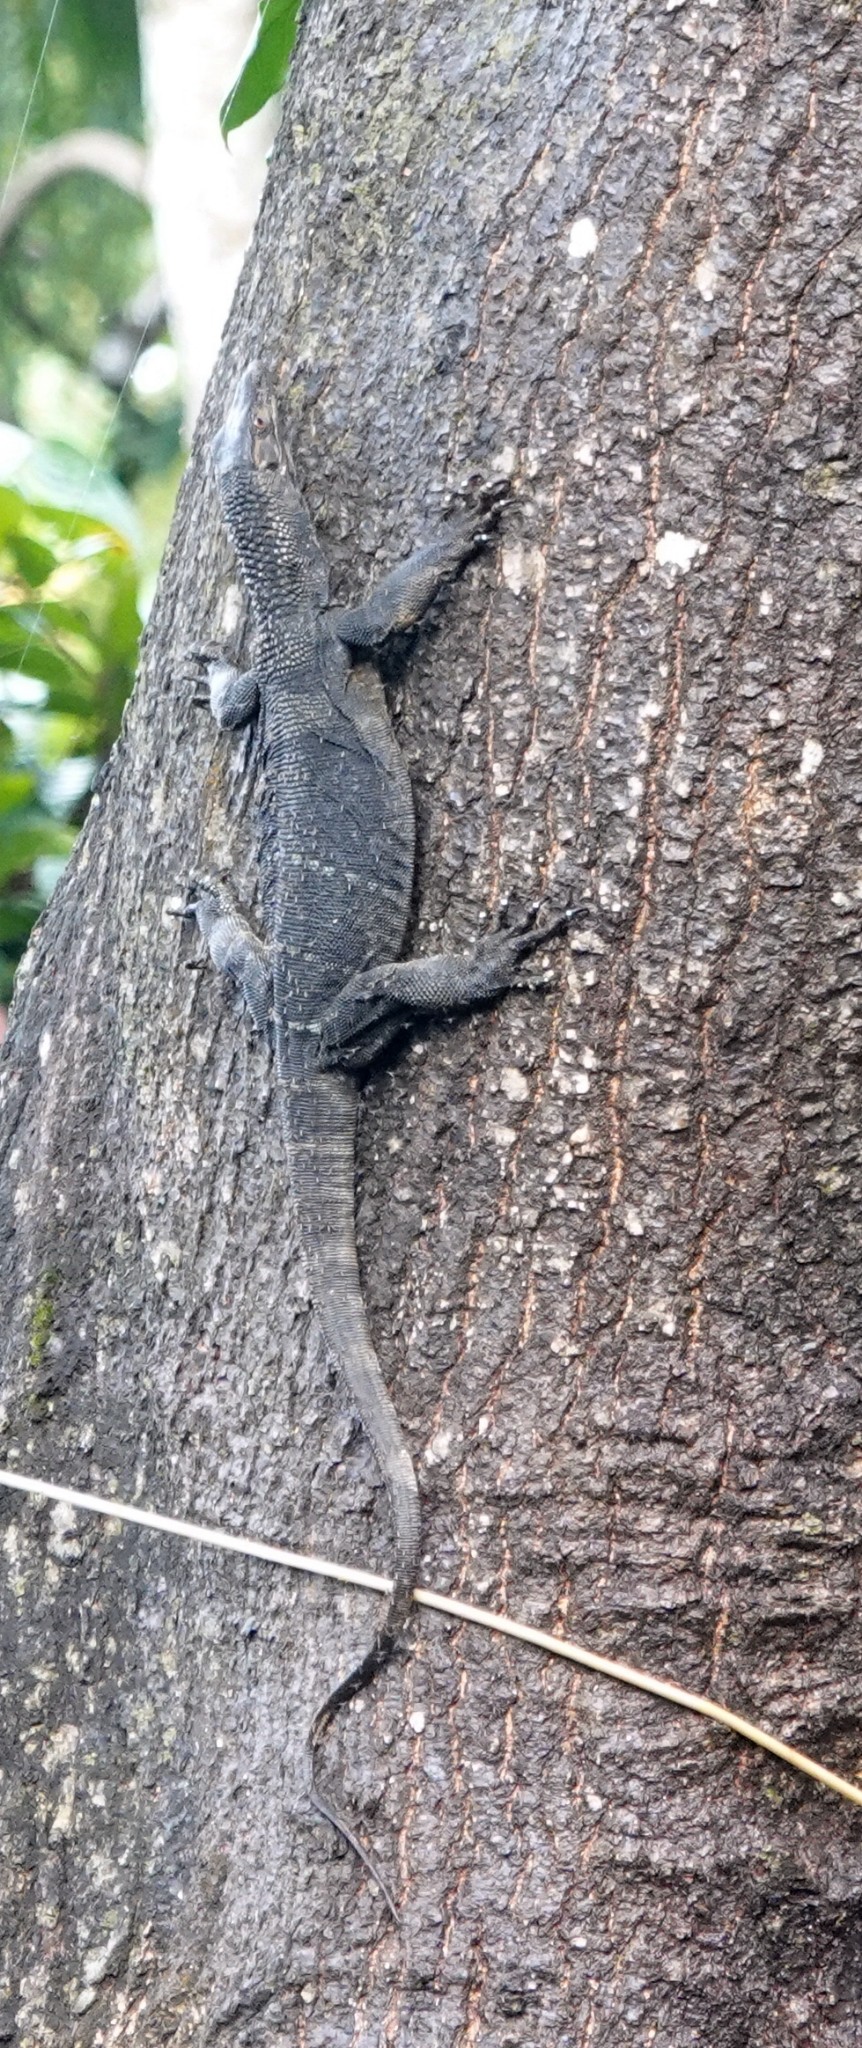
x: 27, y: 653
x: 17, y: 915
x: 48, y: 614
x: 71, y: 698
x: 13, y: 512
x: 66, y: 530
x: 27, y: 834
x: 32, y: 561
x: 264, y: 67
x: 47, y: 473
x: 35, y: 659
x: 15, y: 789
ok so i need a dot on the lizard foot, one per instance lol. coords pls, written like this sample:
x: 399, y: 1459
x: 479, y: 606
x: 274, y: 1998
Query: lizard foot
x: 232, y: 945
x: 228, y: 692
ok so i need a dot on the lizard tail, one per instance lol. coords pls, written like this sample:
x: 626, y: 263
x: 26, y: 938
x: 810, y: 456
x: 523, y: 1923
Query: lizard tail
x: 320, y: 1116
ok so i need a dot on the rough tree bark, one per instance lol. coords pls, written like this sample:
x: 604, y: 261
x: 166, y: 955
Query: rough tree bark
x: 608, y: 1239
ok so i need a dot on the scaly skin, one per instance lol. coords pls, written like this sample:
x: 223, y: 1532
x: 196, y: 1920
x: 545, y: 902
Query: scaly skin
x: 337, y: 854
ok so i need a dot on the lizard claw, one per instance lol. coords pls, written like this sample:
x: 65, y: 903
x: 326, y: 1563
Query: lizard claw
x: 476, y: 505
x: 535, y: 984
x: 194, y: 669
x: 524, y: 924
x: 490, y: 493
x: 195, y: 661
x: 484, y: 503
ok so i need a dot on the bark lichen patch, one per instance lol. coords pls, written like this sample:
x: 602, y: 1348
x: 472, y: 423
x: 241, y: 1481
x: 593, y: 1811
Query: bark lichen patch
x: 42, y: 1314
x: 583, y: 239
x: 678, y: 550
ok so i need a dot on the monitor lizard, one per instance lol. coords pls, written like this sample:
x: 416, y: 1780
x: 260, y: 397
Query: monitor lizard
x: 337, y: 855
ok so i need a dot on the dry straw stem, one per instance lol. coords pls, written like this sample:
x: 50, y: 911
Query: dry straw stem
x: 480, y: 1617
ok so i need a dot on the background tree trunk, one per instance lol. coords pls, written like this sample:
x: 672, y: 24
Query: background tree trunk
x: 204, y: 196
x: 610, y: 1237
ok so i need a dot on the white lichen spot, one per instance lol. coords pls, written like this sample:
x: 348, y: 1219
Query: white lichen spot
x: 438, y: 1449
x: 308, y: 1994
x: 157, y: 807
x: 514, y: 1084
x: 507, y: 463
x: 65, y: 1540
x: 706, y: 278
x: 585, y: 454
x: 64, y: 1812
x: 633, y: 1221
x: 416, y: 1721
x: 678, y: 550
x: 230, y: 611
x: 765, y: 603
x: 45, y: 1043
x: 583, y: 238
x: 61, y: 1746
x: 14, y: 1159
x: 96, y: 1962
x: 812, y: 756
x: 651, y: 710
x: 504, y: 1136
x: 483, y: 1425
x: 581, y: 1136
x: 676, y: 1116
x: 523, y: 569
x: 165, y: 1253
x: 580, y: 1082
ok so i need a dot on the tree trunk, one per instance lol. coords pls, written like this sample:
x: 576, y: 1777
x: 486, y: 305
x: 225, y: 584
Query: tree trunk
x: 609, y: 1235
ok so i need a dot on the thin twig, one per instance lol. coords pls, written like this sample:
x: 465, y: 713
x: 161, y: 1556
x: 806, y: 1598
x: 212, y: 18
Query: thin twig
x: 480, y: 1617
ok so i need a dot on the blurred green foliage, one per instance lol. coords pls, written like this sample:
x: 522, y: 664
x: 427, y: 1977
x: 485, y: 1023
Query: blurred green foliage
x: 86, y: 489
x: 69, y: 629
x: 84, y: 247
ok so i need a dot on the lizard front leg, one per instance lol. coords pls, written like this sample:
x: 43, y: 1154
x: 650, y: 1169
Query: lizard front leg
x: 400, y: 600
x: 231, y: 693
x: 233, y: 947
x: 378, y: 1003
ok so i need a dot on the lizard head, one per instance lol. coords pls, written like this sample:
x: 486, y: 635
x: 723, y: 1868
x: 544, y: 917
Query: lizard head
x: 249, y: 436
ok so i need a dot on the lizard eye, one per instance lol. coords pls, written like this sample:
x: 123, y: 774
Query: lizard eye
x: 267, y: 452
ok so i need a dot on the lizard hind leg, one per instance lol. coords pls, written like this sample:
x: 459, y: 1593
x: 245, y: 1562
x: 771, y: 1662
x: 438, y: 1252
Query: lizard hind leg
x: 383, y: 1000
